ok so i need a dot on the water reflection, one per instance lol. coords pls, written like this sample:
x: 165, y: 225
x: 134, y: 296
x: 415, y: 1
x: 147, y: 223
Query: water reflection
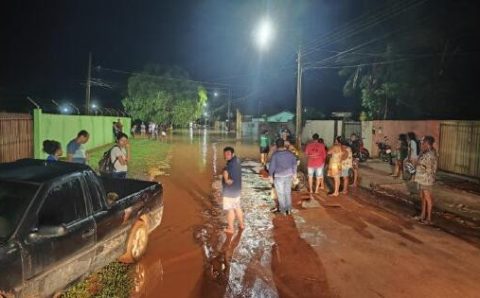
x: 214, y: 155
x: 220, y: 263
x: 146, y: 278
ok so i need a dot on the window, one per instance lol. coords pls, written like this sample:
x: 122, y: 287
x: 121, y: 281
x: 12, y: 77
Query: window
x: 94, y: 190
x: 64, y: 204
x: 14, y: 199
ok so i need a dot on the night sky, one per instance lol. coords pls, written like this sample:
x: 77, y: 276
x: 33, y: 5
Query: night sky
x: 44, y: 48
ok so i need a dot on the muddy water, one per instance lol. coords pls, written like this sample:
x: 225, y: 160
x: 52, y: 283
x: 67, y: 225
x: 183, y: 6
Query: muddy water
x: 189, y: 255
x: 186, y: 244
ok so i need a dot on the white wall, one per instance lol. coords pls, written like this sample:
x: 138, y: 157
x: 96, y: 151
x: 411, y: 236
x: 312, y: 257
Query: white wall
x: 324, y: 128
x: 367, y: 127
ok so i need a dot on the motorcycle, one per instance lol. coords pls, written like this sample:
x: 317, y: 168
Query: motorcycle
x: 359, y: 151
x: 385, y: 151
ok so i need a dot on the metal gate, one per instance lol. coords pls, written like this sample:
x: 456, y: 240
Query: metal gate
x: 16, y: 136
x: 459, y: 147
x: 350, y: 127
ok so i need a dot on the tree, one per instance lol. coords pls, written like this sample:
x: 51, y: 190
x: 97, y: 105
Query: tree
x: 164, y: 95
x: 418, y: 70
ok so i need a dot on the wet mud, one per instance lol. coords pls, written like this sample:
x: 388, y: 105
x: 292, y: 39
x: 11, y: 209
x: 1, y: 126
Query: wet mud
x: 297, y: 269
x: 327, y: 244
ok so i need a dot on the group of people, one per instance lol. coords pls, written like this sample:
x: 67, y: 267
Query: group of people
x: 285, y: 159
x: 420, y: 159
x: 119, y: 154
x: 407, y: 152
x: 153, y: 129
x: 339, y: 159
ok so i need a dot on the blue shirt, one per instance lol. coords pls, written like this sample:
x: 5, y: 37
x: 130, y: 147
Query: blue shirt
x: 283, y: 164
x: 234, y: 170
x: 51, y: 158
x: 78, y: 152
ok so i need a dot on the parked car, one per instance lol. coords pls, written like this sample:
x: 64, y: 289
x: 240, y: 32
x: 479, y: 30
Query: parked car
x: 59, y: 221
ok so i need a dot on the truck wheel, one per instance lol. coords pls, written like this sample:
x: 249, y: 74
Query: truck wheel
x: 137, y: 243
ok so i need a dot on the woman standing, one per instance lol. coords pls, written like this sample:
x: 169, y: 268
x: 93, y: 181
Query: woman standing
x: 120, y: 156
x: 402, y: 154
x: 426, y: 170
x: 335, y: 164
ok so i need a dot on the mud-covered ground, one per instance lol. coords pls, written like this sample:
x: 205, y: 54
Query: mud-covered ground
x: 330, y: 247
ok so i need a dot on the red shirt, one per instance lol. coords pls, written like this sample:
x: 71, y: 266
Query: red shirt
x: 316, y: 153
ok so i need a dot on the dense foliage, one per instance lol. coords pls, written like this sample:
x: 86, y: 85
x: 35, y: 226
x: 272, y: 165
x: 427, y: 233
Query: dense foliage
x: 418, y: 64
x: 165, y: 96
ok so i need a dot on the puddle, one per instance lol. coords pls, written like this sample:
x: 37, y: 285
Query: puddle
x: 240, y: 263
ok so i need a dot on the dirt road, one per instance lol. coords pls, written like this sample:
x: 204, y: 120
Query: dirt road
x: 339, y: 247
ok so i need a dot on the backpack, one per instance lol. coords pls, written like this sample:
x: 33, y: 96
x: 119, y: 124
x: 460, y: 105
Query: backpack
x: 105, y: 165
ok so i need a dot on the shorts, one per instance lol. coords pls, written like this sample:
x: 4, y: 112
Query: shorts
x: 231, y: 203
x: 264, y: 149
x: 317, y: 172
x: 421, y: 187
x: 346, y: 172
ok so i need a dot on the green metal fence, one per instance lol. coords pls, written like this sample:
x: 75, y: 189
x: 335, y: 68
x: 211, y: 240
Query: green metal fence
x: 64, y: 128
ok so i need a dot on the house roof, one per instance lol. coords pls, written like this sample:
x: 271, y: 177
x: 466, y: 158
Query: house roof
x: 283, y: 117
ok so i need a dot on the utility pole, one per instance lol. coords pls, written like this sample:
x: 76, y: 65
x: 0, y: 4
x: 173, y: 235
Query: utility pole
x: 298, y: 124
x: 228, y: 109
x: 89, y: 80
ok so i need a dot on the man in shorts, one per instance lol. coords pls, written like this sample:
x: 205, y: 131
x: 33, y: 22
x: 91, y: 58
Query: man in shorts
x: 264, y: 147
x: 316, y: 154
x: 232, y: 188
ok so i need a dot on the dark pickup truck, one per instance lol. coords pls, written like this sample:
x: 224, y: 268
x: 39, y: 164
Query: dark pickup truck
x: 59, y: 221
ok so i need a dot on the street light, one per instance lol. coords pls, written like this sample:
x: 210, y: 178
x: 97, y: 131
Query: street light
x: 264, y: 34
x: 215, y: 93
x: 65, y: 109
x: 95, y: 108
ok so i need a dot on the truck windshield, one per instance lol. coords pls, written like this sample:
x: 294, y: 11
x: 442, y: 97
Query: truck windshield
x: 14, y: 199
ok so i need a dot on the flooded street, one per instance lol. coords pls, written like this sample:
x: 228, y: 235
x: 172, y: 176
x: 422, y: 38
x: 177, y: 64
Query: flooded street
x: 342, y: 247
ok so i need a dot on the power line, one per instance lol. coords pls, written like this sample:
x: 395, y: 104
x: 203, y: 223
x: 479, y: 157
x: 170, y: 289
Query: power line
x: 367, y: 64
x: 351, y: 24
x: 381, y: 17
x: 342, y: 53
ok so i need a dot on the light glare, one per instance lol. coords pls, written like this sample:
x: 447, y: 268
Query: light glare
x: 264, y: 34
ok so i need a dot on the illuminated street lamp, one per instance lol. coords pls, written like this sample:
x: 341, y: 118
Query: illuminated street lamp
x: 215, y: 94
x: 95, y: 108
x: 263, y: 36
x: 65, y: 109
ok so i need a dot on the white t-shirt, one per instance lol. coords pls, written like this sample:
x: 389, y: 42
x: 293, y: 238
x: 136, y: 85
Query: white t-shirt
x: 413, y: 148
x: 114, y: 156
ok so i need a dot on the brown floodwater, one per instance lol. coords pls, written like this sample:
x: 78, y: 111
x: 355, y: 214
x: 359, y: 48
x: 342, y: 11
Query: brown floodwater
x: 189, y: 254
x: 337, y: 247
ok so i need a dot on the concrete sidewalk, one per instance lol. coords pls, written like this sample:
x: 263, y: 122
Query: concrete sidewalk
x: 462, y: 201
